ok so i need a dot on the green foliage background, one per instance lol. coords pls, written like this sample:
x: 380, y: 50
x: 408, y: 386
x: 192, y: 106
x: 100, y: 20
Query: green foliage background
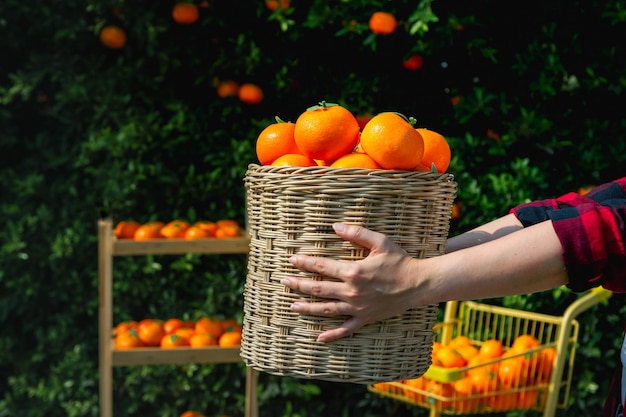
x: 87, y: 132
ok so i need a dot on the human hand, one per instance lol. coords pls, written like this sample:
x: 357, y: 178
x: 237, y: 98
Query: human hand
x: 372, y: 289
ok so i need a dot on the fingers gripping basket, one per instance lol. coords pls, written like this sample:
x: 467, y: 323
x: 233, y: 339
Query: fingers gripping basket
x: 291, y: 210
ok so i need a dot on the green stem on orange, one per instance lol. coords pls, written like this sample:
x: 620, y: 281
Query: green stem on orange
x: 410, y: 120
x: 321, y: 105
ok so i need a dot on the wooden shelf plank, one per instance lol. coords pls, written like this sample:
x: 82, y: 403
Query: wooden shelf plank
x: 181, y: 246
x: 175, y: 356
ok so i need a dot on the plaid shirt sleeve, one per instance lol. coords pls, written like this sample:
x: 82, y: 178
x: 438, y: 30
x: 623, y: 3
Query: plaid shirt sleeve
x: 592, y: 231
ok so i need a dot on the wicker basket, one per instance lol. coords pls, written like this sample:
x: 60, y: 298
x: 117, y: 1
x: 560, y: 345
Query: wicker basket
x: 291, y: 210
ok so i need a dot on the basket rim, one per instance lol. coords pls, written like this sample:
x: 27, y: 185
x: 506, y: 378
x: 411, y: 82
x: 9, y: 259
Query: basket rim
x: 291, y: 170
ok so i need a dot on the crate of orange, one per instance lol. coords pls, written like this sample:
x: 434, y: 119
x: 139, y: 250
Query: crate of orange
x: 316, y: 171
x: 490, y: 359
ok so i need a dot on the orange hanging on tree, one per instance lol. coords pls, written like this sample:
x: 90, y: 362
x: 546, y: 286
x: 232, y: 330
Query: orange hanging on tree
x: 250, y: 93
x: 113, y: 37
x: 185, y: 13
x: 383, y: 23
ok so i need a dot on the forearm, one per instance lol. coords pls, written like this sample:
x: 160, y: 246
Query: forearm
x: 527, y: 261
x: 484, y: 233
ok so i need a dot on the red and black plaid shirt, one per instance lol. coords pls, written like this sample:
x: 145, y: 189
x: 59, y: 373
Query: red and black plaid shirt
x: 592, y: 231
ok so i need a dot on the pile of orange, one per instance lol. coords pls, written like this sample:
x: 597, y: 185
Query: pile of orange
x: 178, y: 229
x: 175, y: 332
x: 330, y: 135
x: 492, y: 376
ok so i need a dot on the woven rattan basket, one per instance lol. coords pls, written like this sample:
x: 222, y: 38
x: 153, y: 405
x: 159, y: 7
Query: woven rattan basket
x: 291, y: 210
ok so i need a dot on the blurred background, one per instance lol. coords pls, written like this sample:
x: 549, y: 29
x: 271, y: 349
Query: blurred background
x: 137, y: 122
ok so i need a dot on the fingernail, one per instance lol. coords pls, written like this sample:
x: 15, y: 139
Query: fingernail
x: 339, y: 227
x: 293, y: 259
x: 285, y: 281
x: 321, y: 339
x: 295, y: 307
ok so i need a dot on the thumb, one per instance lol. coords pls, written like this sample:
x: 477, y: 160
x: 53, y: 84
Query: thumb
x: 359, y: 235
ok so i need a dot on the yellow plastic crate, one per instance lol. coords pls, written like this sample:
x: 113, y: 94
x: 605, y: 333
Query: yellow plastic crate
x: 542, y: 383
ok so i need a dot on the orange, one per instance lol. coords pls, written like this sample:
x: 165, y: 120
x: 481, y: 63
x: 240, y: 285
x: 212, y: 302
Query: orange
x: 175, y: 229
x: 227, y: 88
x: 227, y: 228
x: 113, y: 37
x: 438, y: 390
x: 527, y: 399
x: 463, y: 388
x: 436, y: 150
x: 150, y: 230
x: 128, y: 340
x: 391, y: 140
x: 210, y: 326
x: 226, y: 222
x: 491, y: 348
x: 171, y: 325
x: 202, y: 340
x: 196, y: 232
x: 326, y: 132
x: 230, y: 338
x: 185, y: 13
x: 173, y: 341
x: 541, y: 363
x: 383, y: 23
x: 250, y: 93
x: 503, y: 401
x: 436, y: 346
x: 484, y: 379
x: 585, y: 189
x: 276, y: 140
x: 355, y: 160
x: 230, y: 324
x: 449, y: 357
x: 460, y: 340
x: 524, y: 342
x: 185, y: 332
x: 413, y: 62
x: 150, y: 332
x: 227, y: 231
x: 479, y: 363
x: 413, y: 386
x: 274, y: 4
x: 209, y: 227
x: 512, y: 373
x: 192, y: 413
x: 467, y: 351
x: 456, y: 210
x: 125, y: 326
x: 126, y: 229
x: 294, y: 160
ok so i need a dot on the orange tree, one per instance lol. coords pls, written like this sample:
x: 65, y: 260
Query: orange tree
x: 147, y: 122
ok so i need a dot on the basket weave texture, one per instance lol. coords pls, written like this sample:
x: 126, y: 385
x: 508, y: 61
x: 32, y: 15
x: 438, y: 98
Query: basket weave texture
x: 291, y: 210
